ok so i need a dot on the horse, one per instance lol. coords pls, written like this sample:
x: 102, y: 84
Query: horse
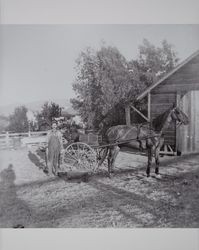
x: 148, y: 137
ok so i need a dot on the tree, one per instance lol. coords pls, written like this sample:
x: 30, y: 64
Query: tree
x: 18, y: 121
x: 106, y: 81
x: 4, y: 122
x: 153, y: 62
x: 45, y: 116
x: 103, y: 82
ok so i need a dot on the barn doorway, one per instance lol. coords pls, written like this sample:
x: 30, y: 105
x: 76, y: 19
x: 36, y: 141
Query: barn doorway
x: 187, y: 137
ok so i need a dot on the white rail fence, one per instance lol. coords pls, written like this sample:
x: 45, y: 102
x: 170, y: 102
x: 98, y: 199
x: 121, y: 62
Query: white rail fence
x: 16, y: 140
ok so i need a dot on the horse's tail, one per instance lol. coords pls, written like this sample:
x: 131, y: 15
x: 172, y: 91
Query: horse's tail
x: 105, y: 152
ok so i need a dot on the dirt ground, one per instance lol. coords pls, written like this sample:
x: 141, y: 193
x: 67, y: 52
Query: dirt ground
x: 30, y: 198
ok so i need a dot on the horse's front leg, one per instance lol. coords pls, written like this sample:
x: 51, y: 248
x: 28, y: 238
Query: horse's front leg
x: 157, y: 155
x: 157, y: 160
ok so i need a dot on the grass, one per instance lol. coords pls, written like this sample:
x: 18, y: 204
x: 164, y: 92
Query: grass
x: 30, y: 198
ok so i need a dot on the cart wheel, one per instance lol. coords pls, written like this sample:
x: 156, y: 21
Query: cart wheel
x: 80, y: 156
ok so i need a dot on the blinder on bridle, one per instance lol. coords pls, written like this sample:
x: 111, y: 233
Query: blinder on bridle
x: 179, y: 116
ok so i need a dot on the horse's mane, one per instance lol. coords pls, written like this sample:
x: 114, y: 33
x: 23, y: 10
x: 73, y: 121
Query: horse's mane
x: 160, y: 120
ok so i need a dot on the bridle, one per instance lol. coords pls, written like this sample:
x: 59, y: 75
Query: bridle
x: 178, y: 123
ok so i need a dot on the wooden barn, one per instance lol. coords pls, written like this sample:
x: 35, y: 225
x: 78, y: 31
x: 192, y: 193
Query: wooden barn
x: 179, y: 87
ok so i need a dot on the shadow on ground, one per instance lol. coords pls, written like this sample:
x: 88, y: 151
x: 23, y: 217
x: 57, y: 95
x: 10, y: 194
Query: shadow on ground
x: 14, y: 212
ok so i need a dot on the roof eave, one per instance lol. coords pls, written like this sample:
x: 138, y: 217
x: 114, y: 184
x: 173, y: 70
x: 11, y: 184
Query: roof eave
x: 147, y: 90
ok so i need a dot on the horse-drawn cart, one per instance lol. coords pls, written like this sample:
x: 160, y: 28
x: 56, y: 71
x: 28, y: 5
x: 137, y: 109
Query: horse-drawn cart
x: 89, y: 153
x: 90, y: 150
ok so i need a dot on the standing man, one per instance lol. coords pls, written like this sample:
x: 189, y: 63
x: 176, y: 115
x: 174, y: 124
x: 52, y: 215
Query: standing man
x: 54, y: 148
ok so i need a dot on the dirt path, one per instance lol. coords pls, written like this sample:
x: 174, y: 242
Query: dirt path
x: 129, y: 199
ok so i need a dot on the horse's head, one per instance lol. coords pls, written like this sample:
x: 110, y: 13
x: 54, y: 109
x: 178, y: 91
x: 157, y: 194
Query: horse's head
x: 179, y: 116
x: 162, y: 121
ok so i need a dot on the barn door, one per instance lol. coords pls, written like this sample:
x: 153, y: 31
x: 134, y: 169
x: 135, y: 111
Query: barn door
x: 187, y: 137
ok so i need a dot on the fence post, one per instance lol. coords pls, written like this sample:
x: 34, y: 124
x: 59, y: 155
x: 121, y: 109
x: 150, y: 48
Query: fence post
x: 7, y: 139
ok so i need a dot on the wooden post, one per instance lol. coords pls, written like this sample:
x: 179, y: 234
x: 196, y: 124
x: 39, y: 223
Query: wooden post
x: 7, y: 139
x: 149, y: 106
x: 128, y: 115
x: 192, y: 122
x: 178, y: 142
x: 140, y: 113
x: 149, y: 109
x: 29, y: 134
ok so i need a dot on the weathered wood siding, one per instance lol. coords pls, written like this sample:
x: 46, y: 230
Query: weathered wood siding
x: 159, y: 104
x: 185, y: 79
x: 188, y: 136
x: 184, y: 82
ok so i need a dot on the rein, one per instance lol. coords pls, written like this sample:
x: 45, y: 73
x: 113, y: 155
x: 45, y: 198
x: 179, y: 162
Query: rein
x: 126, y: 141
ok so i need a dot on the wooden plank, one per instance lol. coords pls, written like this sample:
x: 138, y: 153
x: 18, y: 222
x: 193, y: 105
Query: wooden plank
x: 172, y: 72
x: 190, y: 67
x: 128, y: 115
x: 142, y: 115
x: 177, y: 88
x: 163, y: 105
x: 170, y: 132
x: 159, y: 98
x: 167, y: 153
x: 149, y: 106
x: 37, y: 133
x: 195, y: 60
x: 160, y: 109
x: 169, y: 137
x: 177, y: 147
x: 192, y: 124
x: 186, y: 79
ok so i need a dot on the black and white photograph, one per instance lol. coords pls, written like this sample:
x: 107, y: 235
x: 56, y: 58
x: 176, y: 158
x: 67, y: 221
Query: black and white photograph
x: 99, y: 126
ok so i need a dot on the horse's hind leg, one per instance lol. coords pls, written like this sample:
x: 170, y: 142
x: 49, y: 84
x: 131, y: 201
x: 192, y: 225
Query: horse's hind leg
x: 149, y: 161
x: 113, y: 152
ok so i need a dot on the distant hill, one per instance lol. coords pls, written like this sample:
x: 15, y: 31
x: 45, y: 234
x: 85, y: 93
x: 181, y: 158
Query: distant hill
x: 36, y: 106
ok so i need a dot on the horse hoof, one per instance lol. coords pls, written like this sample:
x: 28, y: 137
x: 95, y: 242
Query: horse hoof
x: 148, y: 178
x: 109, y: 175
x: 147, y: 174
x: 158, y: 176
x: 19, y: 226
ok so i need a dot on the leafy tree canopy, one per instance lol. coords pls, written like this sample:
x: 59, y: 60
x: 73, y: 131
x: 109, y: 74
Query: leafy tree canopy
x: 103, y: 80
x: 106, y: 81
x: 4, y: 122
x: 18, y: 121
x: 46, y: 115
x: 154, y: 62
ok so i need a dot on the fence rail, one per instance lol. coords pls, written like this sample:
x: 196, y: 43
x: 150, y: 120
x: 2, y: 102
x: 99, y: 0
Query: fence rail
x: 11, y: 140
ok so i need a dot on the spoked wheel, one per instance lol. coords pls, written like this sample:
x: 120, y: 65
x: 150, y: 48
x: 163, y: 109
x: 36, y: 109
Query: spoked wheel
x: 80, y: 156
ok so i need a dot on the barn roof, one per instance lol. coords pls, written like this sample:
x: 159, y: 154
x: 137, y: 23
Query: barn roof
x: 154, y: 85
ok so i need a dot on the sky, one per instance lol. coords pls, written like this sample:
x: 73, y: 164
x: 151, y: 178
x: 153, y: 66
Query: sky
x: 37, y: 62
